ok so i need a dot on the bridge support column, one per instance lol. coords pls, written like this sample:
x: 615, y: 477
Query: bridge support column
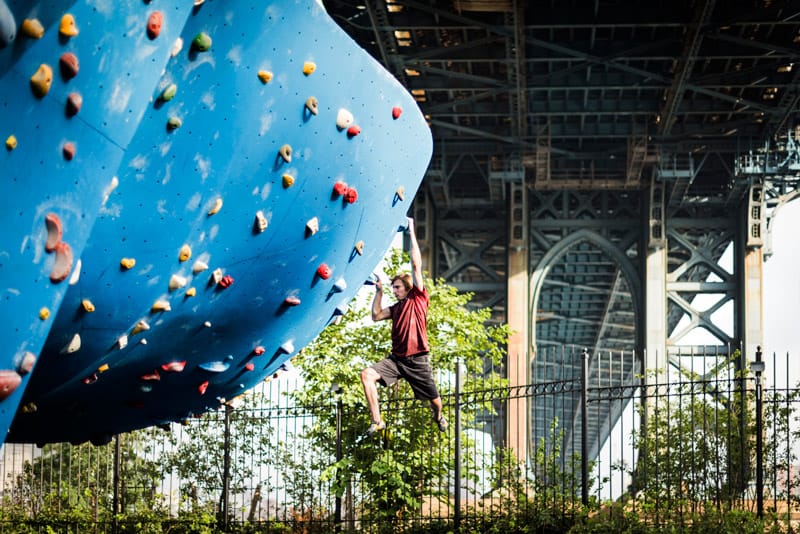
x: 520, y: 319
x: 655, y: 294
x: 751, y: 265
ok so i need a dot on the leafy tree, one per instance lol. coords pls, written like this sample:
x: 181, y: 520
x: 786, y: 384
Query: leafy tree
x: 397, y: 470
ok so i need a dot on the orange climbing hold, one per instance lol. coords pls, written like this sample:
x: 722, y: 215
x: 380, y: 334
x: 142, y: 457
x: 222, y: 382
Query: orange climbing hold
x: 396, y: 112
x: 68, y: 28
x: 185, y: 253
x: 288, y: 181
x: 309, y: 67
x: 32, y: 28
x: 127, y: 263
x: 154, y: 23
x: 68, y: 150
x: 87, y: 305
x: 41, y: 80
x: 63, y: 264
x: 174, y: 367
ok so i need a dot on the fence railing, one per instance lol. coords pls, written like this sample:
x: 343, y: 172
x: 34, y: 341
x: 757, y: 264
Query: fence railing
x: 713, y: 432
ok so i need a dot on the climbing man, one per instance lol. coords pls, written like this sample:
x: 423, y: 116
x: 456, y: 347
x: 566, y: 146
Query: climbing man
x: 409, y: 357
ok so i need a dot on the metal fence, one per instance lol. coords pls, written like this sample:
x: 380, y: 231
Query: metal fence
x: 713, y: 431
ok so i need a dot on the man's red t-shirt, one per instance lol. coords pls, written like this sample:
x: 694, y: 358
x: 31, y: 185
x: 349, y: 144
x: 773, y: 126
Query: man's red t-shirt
x: 410, y: 324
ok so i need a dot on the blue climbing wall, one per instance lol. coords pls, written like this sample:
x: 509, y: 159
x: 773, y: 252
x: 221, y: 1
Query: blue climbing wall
x: 217, y: 221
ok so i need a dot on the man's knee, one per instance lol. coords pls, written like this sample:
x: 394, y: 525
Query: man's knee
x: 369, y: 375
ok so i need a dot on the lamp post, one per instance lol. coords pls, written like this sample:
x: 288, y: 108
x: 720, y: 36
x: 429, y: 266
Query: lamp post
x: 758, y: 367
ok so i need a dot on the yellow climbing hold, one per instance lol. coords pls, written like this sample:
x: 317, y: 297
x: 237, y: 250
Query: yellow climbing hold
x: 141, y: 326
x: 42, y: 80
x: 67, y: 27
x: 32, y: 28
x: 103, y: 368
x: 44, y: 313
x: 185, y: 253
x: 401, y: 193
x: 11, y: 142
x: 216, y: 207
x: 265, y: 76
x: 87, y: 305
x: 360, y: 248
x: 127, y: 263
x: 309, y: 67
x: 286, y: 153
x: 191, y: 292
x: 160, y: 305
x: 288, y: 181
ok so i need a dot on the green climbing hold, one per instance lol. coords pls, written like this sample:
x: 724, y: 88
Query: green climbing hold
x: 169, y: 92
x: 201, y: 42
x: 174, y: 123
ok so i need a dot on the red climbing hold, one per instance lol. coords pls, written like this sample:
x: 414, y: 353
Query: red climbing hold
x: 226, y: 281
x: 292, y: 301
x: 68, y: 65
x: 63, y: 264
x: 339, y: 188
x: 258, y: 351
x: 54, y: 231
x: 155, y: 375
x: 354, y: 130
x: 154, y: 23
x: 68, y: 150
x: 250, y: 366
x: 74, y: 103
x: 351, y: 195
x: 203, y: 387
x: 91, y: 379
x: 323, y: 271
x: 174, y: 367
x: 9, y: 382
x: 396, y: 112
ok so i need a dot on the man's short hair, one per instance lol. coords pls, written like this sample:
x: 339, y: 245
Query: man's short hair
x: 405, y: 278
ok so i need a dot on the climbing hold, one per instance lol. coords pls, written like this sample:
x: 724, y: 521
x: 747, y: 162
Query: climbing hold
x: 226, y: 281
x: 312, y: 226
x: 29, y: 408
x: 11, y: 142
x: 351, y: 195
x: 150, y: 377
x: 260, y: 224
x: 145, y: 388
x: 309, y: 67
x: 354, y: 130
x: 216, y: 277
x: 168, y: 93
x: 63, y: 263
x: 67, y: 28
x: 216, y: 207
x: 340, y: 309
x: 265, y: 76
x: 176, y: 47
x: 396, y: 112
x: 139, y: 327
x: 103, y: 368
x: 87, y: 305
x: 201, y: 42
x: 32, y: 28
x: 143, y: 341
x: 344, y: 119
x: 68, y: 65
x: 74, y: 104
x: 160, y: 306
x: 323, y: 271
x: 122, y: 341
x: 173, y: 367
x: 340, y: 285
x: 41, y: 80
x: 191, y: 292
x: 286, y: 153
x: 259, y: 350
x: 154, y: 23
x: 173, y: 123
x: 214, y: 367
x: 288, y: 181
x: 54, y: 231
x: 44, y: 313
x: 25, y: 362
x: 76, y: 273
x: 68, y: 150
x: 291, y: 301
x: 401, y: 193
x: 203, y: 387
x: 176, y: 281
x: 127, y: 263
x: 91, y: 379
x: 185, y: 253
x: 74, y: 345
x: 9, y: 382
x: 312, y: 104
x: 207, y: 324
x: 199, y: 266
x: 339, y: 188
x: 359, y: 247
x: 250, y: 366
x: 8, y: 25
x: 198, y: 3
x: 288, y: 347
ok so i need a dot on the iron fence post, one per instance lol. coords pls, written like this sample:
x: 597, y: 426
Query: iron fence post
x: 337, y: 514
x: 226, y: 467
x: 759, y: 368
x: 457, y: 466
x: 584, y: 430
x: 117, y: 454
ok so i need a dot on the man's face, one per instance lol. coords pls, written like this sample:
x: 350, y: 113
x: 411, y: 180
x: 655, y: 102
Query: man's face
x: 399, y: 290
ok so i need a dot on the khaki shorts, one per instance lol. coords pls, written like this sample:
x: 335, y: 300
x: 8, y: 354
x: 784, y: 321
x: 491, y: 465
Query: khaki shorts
x: 415, y: 369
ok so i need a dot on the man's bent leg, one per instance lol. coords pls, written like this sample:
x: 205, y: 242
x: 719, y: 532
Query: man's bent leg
x: 369, y: 379
x: 438, y: 416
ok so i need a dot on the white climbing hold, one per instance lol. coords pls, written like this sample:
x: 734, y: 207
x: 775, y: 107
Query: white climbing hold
x: 344, y: 119
x: 199, y: 266
x: 260, y: 223
x: 74, y: 345
x: 288, y: 347
x: 176, y: 281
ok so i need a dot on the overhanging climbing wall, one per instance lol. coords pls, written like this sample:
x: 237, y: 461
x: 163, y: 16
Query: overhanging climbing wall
x: 267, y: 168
